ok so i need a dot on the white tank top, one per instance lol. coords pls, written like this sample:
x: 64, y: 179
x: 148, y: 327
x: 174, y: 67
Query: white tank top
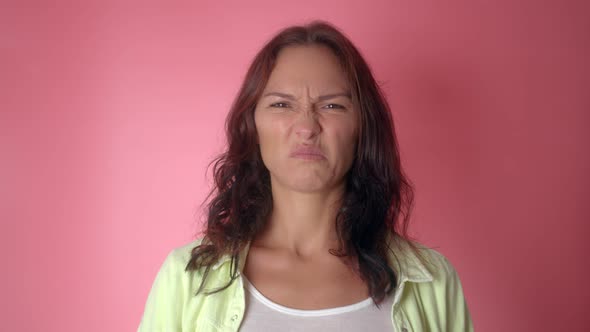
x: 264, y: 315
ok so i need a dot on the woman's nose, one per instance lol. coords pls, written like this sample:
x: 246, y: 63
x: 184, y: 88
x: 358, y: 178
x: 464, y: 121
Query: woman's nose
x: 307, y: 125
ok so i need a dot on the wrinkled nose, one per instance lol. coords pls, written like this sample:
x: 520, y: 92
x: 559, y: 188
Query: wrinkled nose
x: 307, y: 126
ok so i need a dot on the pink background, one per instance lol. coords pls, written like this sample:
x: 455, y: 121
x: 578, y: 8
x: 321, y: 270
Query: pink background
x: 110, y: 113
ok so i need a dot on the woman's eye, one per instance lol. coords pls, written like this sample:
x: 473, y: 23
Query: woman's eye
x: 279, y: 105
x: 334, y: 106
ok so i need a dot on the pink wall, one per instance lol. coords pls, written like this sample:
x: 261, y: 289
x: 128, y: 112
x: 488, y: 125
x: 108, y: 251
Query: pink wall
x: 111, y: 112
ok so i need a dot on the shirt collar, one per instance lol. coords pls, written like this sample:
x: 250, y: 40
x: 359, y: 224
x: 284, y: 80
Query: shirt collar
x: 227, y: 259
x: 407, y: 262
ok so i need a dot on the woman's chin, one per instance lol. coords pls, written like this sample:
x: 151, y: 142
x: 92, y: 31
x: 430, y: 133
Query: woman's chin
x: 307, y: 185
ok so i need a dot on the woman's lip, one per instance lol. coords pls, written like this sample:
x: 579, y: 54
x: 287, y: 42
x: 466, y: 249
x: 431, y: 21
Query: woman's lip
x: 308, y: 156
x: 308, y: 152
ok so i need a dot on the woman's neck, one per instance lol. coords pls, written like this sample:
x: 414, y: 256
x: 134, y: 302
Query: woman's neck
x: 304, y: 223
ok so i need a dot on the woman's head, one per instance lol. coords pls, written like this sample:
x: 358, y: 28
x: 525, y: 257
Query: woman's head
x: 305, y: 120
x: 283, y: 104
x: 295, y: 46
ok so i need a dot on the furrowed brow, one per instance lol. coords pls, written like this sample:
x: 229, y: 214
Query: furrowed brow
x: 279, y: 94
x: 334, y: 95
x: 320, y: 98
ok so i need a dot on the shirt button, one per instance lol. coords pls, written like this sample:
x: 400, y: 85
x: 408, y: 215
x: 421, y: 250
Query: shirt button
x: 234, y: 318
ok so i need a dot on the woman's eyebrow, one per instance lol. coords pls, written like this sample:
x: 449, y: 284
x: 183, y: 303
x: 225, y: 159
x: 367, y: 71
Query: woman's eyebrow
x: 279, y: 94
x: 334, y: 95
x: 320, y: 98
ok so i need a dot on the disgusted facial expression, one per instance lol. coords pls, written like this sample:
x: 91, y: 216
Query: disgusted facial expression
x: 306, y: 122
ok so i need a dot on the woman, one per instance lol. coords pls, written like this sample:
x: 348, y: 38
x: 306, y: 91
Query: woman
x: 307, y: 223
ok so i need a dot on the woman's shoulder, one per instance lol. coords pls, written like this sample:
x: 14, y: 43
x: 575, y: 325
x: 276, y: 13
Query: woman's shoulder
x: 419, y: 262
x: 179, y: 256
x: 182, y: 253
x: 436, y: 282
x: 168, y: 295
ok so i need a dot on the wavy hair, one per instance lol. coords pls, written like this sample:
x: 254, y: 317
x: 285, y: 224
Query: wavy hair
x: 378, y: 198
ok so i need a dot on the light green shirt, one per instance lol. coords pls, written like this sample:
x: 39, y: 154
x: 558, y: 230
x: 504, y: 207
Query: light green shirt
x: 426, y: 298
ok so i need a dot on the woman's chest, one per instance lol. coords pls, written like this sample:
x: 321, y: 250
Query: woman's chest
x: 226, y: 311
x: 306, y: 285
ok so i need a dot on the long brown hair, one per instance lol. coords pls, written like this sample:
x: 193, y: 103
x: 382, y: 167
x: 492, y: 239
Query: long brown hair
x: 378, y: 198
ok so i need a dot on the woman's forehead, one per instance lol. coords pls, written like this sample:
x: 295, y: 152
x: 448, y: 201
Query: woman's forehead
x: 313, y: 64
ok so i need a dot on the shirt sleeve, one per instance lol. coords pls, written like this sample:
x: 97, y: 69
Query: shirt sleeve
x: 163, y: 308
x: 458, y: 318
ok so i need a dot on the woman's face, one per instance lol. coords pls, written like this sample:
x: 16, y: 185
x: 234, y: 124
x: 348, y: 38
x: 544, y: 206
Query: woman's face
x: 307, y: 126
